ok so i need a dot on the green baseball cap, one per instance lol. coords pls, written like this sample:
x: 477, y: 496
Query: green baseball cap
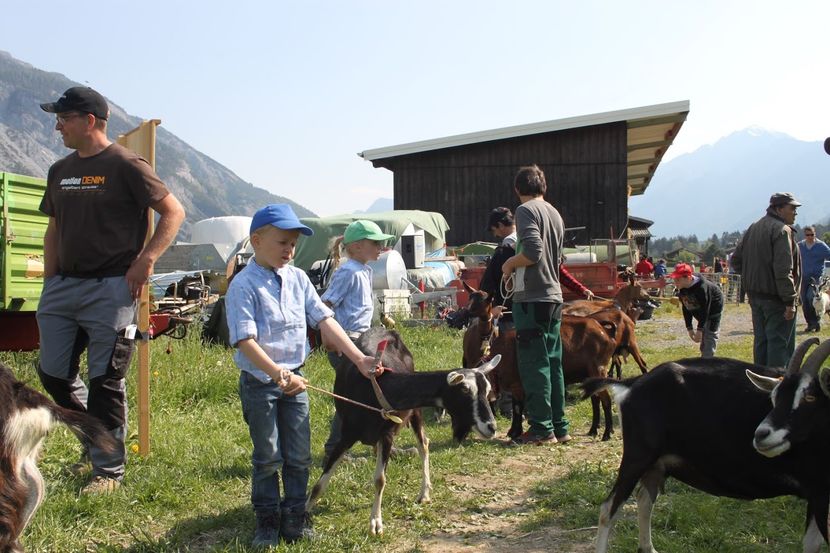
x: 363, y: 229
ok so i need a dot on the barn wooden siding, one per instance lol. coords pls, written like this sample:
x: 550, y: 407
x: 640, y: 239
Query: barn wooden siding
x: 585, y: 170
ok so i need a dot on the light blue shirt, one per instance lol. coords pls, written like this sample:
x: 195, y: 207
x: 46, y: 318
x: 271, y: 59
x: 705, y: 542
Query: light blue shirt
x: 350, y: 294
x: 273, y: 307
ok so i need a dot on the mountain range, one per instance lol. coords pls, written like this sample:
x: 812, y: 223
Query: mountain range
x: 29, y: 144
x: 717, y: 188
x: 726, y: 186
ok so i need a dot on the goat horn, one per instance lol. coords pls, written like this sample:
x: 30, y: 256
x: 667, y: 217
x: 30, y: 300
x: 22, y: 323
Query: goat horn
x: 822, y: 382
x: 798, y: 356
x: 819, y: 355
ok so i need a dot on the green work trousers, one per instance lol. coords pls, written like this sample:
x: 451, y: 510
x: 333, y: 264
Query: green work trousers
x: 539, y: 349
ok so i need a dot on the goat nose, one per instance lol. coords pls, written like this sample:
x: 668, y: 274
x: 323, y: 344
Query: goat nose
x: 762, y: 433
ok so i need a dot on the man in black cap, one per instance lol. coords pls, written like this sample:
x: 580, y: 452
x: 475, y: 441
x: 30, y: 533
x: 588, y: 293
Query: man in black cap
x: 768, y: 261
x: 95, y: 265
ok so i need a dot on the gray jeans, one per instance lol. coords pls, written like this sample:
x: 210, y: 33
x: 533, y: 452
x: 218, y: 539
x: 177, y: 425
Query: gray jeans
x: 88, y: 313
x: 709, y: 343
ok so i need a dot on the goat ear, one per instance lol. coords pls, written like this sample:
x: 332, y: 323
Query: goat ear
x: 824, y: 380
x: 489, y: 365
x: 454, y: 378
x: 468, y: 288
x: 764, y: 383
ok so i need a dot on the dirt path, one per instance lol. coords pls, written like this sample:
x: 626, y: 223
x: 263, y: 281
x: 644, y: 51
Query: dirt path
x: 497, y: 526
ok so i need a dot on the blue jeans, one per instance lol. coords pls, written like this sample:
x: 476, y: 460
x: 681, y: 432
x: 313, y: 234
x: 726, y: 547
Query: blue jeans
x: 281, y: 434
x: 774, y: 336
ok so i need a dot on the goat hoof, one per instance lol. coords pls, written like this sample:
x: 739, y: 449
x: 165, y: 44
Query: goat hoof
x: 606, y: 437
x: 423, y: 498
x: 376, y: 526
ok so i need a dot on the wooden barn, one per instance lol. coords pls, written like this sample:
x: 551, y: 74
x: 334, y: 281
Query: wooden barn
x: 593, y: 163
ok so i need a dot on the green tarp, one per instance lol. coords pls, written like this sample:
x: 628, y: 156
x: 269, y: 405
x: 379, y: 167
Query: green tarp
x: 311, y: 248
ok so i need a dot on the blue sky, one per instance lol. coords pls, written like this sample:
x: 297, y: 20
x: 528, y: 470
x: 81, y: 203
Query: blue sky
x: 286, y: 94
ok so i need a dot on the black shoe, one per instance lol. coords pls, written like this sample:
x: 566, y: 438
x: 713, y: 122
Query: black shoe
x: 267, y: 532
x: 295, y: 526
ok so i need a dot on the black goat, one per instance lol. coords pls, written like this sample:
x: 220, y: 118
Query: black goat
x: 462, y: 392
x: 695, y: 419
x: 26, y: 416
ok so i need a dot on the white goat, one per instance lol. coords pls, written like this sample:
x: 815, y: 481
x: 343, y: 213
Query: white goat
x: 821, y: 297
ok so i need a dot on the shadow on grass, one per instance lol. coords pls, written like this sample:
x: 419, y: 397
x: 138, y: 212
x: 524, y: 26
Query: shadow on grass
x: 230, y: 530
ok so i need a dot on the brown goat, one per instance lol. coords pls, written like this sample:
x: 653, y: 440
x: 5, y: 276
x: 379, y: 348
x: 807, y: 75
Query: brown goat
x: 587, y: 348
x: 626, y: 300
x: 624, y: 338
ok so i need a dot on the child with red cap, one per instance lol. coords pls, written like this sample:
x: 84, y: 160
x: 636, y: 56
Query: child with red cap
x: 703, y: 301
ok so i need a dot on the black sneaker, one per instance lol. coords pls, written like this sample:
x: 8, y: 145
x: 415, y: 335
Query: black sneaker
x: 295, y: 526
x: 267, y: 532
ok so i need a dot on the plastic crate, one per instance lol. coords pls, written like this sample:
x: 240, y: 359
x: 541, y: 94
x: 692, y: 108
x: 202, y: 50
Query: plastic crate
x: 395, y: 303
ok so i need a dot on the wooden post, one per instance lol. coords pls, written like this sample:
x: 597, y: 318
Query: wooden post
x: 142, y: 140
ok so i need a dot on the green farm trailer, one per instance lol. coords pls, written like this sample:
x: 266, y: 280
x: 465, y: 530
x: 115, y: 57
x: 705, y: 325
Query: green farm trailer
x: 22, y: 227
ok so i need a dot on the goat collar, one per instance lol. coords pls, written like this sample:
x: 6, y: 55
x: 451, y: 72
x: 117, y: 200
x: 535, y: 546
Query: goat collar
x: 384, y: 403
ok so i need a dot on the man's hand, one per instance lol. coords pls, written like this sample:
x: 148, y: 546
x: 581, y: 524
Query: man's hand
x: 497, y: 311
x: 695, y: 335
x: 507, y: 269
x: 292, y: 384
x: 789, y: 312
x: 138, y: 274
x: 589, y: 295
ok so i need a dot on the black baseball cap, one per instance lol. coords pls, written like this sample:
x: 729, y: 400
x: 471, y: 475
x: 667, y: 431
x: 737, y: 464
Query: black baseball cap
x: 80, y: 98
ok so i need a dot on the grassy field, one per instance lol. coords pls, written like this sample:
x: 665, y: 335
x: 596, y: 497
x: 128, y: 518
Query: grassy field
x: 191, y: 493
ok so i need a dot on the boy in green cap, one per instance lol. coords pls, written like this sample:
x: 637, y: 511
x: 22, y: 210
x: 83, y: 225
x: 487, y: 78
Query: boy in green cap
x: 349, y: 294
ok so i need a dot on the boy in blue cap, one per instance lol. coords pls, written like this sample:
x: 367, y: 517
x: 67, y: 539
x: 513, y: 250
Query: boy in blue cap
x: 268, y: 305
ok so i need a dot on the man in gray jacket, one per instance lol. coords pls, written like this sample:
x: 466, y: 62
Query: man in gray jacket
x: 768, y: 261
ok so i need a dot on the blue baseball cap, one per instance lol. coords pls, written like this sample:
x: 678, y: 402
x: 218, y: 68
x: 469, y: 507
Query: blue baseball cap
x: 280, y: 216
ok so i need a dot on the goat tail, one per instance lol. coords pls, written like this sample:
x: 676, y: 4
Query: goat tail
x: 85, y: 427
x: 618, y: 389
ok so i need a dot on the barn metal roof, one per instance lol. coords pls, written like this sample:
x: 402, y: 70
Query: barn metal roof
x: 651, y: 130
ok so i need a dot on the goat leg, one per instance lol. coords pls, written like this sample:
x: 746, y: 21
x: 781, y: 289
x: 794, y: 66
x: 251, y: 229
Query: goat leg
x: 816, y: 532
x: 422, y: 443
x: 384, y: 449
x: 328, y: 470
x: 650, y: 484
x: 594, y: 416
x: 605, y: 400
x: 616, y: 364
x: 517, y: 421
x: 610, y: 510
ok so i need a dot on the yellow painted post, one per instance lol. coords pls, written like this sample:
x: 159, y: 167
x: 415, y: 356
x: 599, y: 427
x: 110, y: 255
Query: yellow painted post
x: 142, y: 140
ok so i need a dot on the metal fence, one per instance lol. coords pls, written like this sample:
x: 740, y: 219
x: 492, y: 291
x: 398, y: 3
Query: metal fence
x: 729, y: 284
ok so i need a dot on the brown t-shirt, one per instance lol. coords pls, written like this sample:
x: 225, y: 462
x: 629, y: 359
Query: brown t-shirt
x: 100, y: 206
